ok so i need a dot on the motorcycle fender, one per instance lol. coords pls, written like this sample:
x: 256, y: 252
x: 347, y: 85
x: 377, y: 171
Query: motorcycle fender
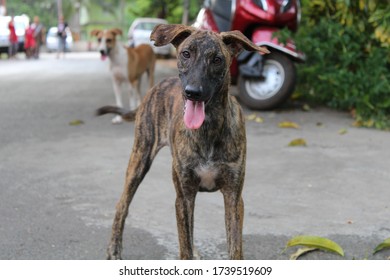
x: 265, y: 37
x: 205, y: 20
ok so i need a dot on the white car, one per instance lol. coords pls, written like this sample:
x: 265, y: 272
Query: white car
x: 21, y: 23
x: 52, y: 40
x: 139, y: 33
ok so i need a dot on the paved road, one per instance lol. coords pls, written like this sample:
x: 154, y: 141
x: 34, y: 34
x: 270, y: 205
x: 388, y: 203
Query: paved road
x: 59, y: 183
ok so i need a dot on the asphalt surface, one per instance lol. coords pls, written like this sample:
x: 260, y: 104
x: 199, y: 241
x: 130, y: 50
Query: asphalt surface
x: 59, y: 183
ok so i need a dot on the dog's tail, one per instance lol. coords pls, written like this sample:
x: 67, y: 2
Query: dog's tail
x: 126, y: 115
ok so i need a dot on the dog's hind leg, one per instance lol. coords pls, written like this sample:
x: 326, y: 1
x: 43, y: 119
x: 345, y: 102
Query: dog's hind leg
x: 141, y: 159
x: 135, y: 98
x: 150, y: 72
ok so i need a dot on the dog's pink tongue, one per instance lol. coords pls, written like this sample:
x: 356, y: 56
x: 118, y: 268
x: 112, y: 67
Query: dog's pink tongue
x: 103, y: 57
x: 194, y: 114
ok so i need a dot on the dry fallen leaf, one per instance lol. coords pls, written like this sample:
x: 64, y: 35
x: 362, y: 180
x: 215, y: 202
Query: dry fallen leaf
x: 255, y: 118
x: 301, y: 252
x: 296, y: 95
x: 353, y: 113
x: 76, y: 122
x: 297, y: 142
x: 343, y: 131
x: 259, y: 120
x: 251, y: 117
x: 360, y: 123
x: 306, y: 108
x: 288, y: 125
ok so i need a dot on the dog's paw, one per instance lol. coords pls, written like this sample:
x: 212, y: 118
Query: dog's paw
x: 117, y: 120
x: 114, y: 253
x: 196, y: 255
x: 113, y: 257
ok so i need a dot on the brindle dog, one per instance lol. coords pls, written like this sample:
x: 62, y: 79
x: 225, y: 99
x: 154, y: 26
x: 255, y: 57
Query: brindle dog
x: 207, y: 141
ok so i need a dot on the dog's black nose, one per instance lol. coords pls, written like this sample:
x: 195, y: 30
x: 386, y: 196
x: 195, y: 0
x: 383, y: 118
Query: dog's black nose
x: 193, y: 92
x: 102, y: 52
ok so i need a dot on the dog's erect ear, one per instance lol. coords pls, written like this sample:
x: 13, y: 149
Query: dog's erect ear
x: 116, y: 31
x: 163, y: 34
x: 236, y: 42
x: 95, y: 32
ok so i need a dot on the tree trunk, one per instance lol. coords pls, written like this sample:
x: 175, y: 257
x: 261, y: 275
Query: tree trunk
x: 186, y: 11
x: 59, y: 9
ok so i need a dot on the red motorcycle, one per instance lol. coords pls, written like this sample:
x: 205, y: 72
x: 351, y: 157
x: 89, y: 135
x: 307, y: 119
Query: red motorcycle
x: 264, y: 82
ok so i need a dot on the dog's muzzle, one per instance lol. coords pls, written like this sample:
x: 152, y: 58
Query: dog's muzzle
x: 194, y: 107
x: 194, y: 93
x: 103, y: 54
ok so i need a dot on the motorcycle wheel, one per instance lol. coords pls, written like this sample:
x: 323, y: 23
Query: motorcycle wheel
x: 280, y: 78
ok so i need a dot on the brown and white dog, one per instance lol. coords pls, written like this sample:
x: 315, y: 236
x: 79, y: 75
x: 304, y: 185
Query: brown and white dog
x: 126, y: 65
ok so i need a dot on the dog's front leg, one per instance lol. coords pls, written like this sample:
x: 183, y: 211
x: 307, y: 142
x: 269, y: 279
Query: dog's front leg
x: 234, y: 218
x: 185, y: 226
x: 185, y: 203
x: 118, y: 100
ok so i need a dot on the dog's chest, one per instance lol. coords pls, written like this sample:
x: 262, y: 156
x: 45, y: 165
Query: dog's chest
x: 119, y: 68
x: 207, y: 174
x: 119, y: 72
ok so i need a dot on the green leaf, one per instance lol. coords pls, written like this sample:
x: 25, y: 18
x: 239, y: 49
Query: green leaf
x: 316, y: 242
x: 384, y: 245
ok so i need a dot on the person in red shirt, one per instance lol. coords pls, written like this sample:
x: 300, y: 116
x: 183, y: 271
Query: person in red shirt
x: 29, y: 41
x: 13, y: 39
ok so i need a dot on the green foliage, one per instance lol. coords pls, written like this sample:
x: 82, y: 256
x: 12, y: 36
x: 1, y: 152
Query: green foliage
x: 348, y: 58
x: 171, y: 10
x: 46, y: 10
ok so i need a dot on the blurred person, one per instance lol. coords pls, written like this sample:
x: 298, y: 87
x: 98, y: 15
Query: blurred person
x: 62, y: 30
x: 38, y: 36
x: 13, y: 39
x: 29, y: 41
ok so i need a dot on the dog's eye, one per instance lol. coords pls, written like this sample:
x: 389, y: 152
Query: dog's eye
x: 217, y: 60
x: 99, y: 40
x: 186, y: 54
x: 108, y: 40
